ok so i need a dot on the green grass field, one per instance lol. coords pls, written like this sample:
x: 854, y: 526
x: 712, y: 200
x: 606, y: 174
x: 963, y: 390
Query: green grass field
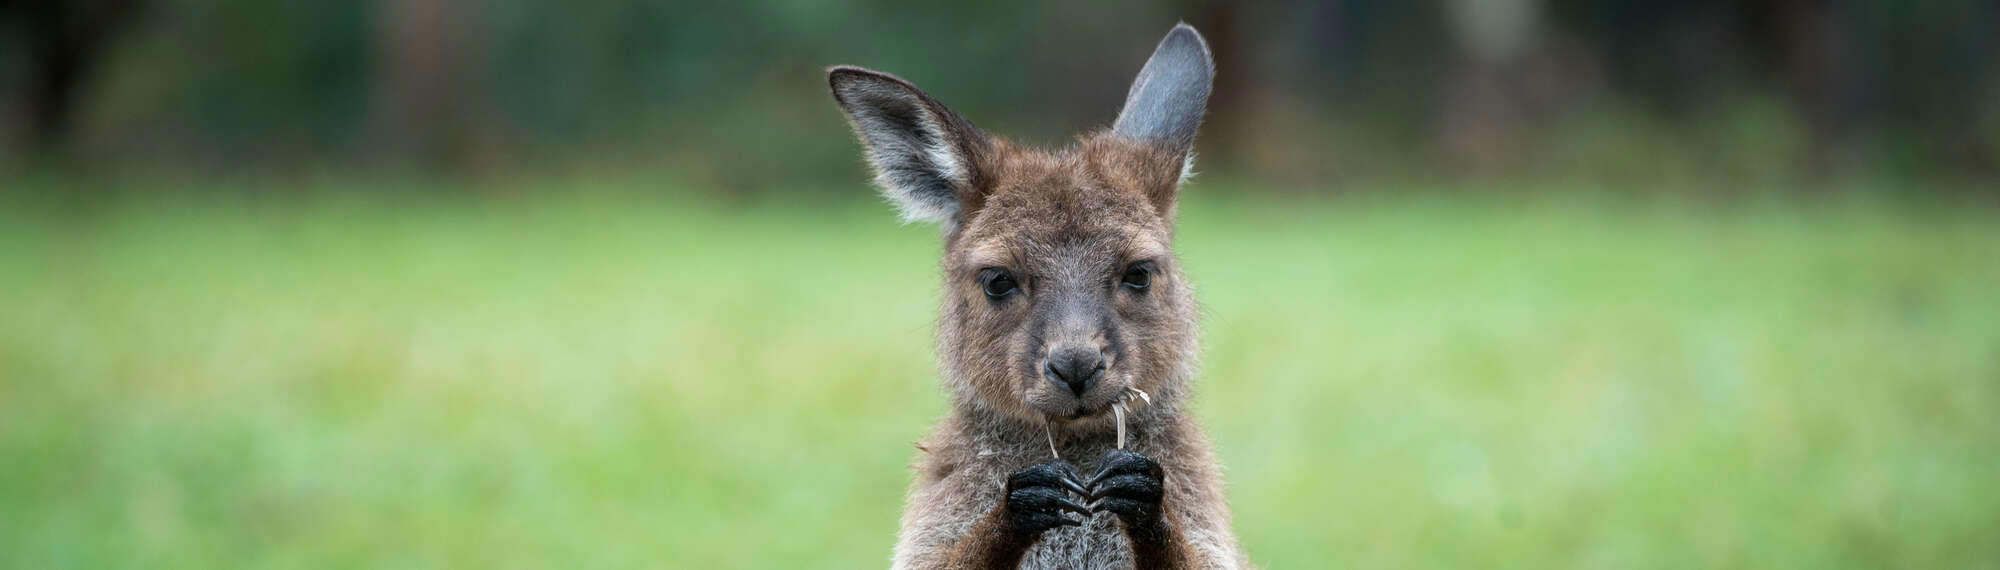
x: 1427, y: 382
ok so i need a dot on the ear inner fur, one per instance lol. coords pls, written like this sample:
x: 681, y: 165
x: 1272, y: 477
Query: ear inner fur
x: 925, y: 157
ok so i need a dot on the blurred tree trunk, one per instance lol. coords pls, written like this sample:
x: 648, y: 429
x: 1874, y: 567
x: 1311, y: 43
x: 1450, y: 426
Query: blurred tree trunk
x: 1816, y: 64
x: 1218, y: 21
x: 1482, y: 109
x: 67, y: 40
x: 424, y: 107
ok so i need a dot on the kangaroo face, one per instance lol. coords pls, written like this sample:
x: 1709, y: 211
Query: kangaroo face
x: 1061, y: 290
x: 1062, y: 294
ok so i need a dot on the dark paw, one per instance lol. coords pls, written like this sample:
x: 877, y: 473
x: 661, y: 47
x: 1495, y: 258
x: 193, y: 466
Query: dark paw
x: 1129, y: 485
x: 1038, y: 496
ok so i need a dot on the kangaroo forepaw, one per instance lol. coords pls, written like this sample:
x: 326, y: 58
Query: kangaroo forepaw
x: 1038, y: 496
x: 1129, y: 485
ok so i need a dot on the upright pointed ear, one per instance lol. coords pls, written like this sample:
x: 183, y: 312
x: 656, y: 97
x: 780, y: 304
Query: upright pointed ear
x: 1167, y: 99
x: 925, y: 157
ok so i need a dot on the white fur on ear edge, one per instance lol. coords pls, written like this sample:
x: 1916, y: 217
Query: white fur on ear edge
x: 916, y: 198
x: 915, y: 153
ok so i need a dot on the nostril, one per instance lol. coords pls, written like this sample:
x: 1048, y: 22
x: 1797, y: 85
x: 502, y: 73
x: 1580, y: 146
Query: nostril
x: 1075, y: 368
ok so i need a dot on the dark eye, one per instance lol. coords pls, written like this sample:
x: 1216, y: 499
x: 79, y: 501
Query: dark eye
x: 1137, y: 276
x: 998, y: 282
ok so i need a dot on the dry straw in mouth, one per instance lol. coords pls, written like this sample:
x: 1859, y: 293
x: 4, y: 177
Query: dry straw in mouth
x: 1052, y: 439
x: 1117, y: 411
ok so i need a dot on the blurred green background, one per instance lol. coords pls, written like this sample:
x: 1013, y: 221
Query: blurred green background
x: 1491, y: 284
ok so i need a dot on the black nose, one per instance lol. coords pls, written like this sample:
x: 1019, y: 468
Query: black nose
x: 1076, y: 368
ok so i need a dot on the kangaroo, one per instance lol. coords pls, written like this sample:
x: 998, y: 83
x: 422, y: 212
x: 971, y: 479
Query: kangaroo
x: 1064, y: 309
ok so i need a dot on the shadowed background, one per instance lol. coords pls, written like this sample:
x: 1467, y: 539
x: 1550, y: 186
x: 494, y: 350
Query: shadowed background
x: 1513, y: 283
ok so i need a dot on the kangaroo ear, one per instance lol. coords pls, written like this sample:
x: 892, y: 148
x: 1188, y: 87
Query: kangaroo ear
x: 924, y: 156
x: 1167, y: 99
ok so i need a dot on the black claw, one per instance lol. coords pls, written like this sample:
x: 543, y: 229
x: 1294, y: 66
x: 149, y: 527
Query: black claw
x: 1119, y: 461
x: 1049, y: 474
x: 1129, y: 485
x: 1070, y: 482
x: 1072, y: 506
x: 1037, y: 497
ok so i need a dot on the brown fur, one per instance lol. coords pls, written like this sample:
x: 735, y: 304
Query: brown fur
x: 1101, y: 200
x: 1066, y: 224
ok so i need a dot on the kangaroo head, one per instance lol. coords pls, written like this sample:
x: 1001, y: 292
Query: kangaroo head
x: 1062, y: 294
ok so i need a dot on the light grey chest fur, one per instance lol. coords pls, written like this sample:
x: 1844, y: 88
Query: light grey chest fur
x: 1098, y: 543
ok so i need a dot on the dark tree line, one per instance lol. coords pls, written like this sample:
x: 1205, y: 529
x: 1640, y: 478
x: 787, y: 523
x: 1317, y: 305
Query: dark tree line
x: 65, y: 42
x: 727, y: 92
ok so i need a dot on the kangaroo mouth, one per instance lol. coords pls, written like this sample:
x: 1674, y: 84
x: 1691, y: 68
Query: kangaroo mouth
x: 1127, y: 400
x: 1079, y: 411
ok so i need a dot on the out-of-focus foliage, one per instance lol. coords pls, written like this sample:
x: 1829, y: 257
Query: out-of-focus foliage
x: 729, y: 95
x: 428, y: 381
x: 668, y: 326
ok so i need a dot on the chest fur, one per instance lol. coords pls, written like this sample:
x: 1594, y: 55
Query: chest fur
x: 1098, y: 543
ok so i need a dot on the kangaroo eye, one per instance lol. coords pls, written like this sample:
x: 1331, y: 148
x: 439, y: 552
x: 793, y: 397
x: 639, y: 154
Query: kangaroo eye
x: 1137, y: 276
x: 998, y: 283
